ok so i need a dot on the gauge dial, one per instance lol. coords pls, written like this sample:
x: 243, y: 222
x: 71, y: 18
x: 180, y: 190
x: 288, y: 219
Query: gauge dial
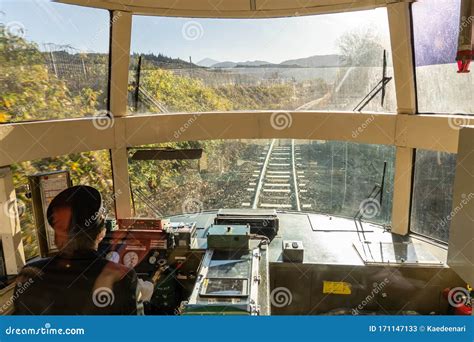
x: 130, y: 259
x: 152, y: 260
x: 113, y: 256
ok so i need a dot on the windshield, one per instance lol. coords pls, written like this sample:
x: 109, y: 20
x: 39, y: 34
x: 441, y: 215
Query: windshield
x: 339, y: 178
x: 322, y: 62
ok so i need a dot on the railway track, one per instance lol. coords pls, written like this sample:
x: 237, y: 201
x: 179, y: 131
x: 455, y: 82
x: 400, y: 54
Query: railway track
x: 279, y: 181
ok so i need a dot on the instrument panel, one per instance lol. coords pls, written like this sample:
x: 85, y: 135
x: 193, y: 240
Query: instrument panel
x: 142, y: 250
x: 130, y: 259
x: 113, y: 256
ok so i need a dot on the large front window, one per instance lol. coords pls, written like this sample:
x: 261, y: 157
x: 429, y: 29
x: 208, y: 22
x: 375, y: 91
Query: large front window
x: 328, y: 177
x: 322, y: 62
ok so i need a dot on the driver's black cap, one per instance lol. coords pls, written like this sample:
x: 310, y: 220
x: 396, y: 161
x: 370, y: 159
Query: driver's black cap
x: 86, y: 206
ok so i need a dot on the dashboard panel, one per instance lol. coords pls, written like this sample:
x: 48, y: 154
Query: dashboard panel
x: 143, y: 250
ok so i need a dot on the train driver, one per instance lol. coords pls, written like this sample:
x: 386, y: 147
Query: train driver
x: 76, y: 281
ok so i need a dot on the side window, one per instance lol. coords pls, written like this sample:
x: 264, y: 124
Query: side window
x: 440, y: 88
x: 54, y: 61
x: 432, y: 194
x: 90, y: 168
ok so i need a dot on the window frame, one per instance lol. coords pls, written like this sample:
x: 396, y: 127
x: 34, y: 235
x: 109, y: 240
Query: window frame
x: 25, y: 141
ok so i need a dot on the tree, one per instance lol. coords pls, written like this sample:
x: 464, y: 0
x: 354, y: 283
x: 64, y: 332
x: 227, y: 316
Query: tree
x: 361, y: 48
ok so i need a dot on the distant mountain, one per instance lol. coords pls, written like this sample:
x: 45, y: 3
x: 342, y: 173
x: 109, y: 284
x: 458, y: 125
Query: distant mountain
x: 229, y: 64
x: 207, y: 62
x: 252, y: 63
x: 318, y: 61
x: 280, y: 66
x: 226, y: 64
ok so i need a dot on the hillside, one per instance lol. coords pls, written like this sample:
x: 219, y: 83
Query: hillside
x: 162, y: 61
x: 228, y: 64
x: 317, y: 61
x: 207, y: 62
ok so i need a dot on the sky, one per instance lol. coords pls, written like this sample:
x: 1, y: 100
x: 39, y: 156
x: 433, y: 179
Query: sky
x: 272, y: 40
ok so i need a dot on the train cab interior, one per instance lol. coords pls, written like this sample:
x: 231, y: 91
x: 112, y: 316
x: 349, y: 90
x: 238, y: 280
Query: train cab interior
x: 255, y: 157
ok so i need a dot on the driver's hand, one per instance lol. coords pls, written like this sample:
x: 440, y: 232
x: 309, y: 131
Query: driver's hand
x: 146, y: 289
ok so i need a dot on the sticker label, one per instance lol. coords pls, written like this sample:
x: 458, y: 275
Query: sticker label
x: 337, y: 287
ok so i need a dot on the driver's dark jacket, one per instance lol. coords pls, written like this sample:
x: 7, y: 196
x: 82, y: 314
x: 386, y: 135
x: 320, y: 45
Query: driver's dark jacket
x: 84, y: 283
